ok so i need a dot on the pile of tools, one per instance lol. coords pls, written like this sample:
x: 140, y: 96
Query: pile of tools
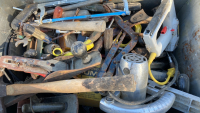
x: 64, y: 39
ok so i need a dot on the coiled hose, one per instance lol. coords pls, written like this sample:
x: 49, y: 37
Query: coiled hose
x: 152, y: 96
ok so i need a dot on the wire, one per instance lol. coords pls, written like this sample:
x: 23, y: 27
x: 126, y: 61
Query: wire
x: 170, y: 72
x: 152, y: 96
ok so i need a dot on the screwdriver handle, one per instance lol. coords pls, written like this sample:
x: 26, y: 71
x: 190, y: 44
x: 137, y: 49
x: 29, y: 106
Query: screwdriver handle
x: 37, y: 33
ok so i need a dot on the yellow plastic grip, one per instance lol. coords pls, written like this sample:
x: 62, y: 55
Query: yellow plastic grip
x: 138, y: 28
x: 170, y: 72
x: 68, y: 54
x: 89, y: 44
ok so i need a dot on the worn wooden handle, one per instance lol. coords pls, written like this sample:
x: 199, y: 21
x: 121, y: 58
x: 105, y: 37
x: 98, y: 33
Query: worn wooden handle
x: 99, y: 26
x: 117, y: 83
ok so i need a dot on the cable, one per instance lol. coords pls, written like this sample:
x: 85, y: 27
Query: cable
x: 152, y: 96
x: 170, y: 72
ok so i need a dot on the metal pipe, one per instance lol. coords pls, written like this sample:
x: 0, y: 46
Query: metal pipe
x: 44, y: 107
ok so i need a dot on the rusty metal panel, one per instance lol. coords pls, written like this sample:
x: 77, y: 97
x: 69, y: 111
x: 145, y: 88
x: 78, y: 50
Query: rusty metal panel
x: 40, y: 67
x: 188, y: 50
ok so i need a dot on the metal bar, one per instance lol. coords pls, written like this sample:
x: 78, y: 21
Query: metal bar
x: 127, y: 49
x: 17, y: 9
x: 84, y: 17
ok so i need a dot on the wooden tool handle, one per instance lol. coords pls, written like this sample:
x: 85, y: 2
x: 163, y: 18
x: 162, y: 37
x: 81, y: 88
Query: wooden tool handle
x: 117, y: 83
x: 94, y: 36
x: 108, y: 39
x: 99, y: 26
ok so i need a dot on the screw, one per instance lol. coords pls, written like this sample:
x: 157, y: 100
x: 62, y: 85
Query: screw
x: 151, y: 33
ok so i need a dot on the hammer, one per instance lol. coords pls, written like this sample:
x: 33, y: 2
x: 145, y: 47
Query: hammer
x: 116, y: 83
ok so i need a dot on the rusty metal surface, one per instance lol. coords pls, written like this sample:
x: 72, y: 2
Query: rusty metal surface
x: 116, y: 83
x: 110, y: 55
x: 188, y: 52
x: 128, y: 30
x: 127, y: 49
x: 29, y: 65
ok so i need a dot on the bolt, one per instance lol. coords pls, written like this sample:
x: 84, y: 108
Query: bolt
x: 108, y: 98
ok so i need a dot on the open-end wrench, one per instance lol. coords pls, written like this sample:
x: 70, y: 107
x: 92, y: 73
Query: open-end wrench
x: 23, y: 41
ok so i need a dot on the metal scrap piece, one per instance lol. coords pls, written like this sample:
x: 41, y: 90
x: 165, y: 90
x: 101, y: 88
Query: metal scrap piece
x: 29, y: 65
x: 79, y: 67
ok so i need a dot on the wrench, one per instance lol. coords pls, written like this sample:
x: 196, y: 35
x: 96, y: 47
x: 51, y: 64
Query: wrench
x: 23, y: 41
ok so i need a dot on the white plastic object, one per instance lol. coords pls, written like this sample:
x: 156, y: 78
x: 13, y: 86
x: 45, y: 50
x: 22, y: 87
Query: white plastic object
x: 162, y: 105
x: 165, y: 16
x: 184, y: 102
